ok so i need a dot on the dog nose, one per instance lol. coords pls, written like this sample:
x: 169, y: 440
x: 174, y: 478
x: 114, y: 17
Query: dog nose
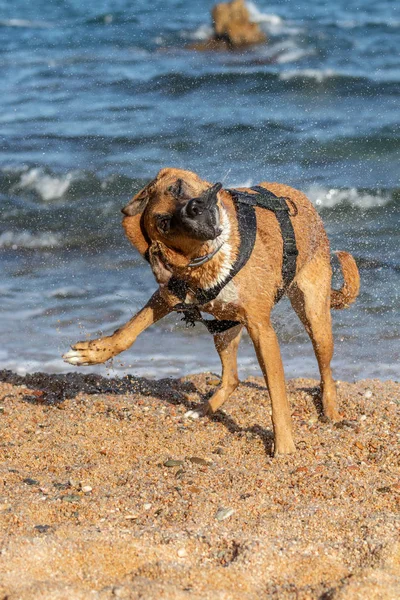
x: 194, y: 208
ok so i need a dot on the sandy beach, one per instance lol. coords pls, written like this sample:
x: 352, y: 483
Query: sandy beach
x: 108, y: 491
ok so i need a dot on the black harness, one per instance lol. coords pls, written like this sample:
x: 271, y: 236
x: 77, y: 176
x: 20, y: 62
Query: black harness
x: 247, y: 224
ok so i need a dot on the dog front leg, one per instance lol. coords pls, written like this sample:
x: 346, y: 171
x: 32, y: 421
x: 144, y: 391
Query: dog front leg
x: 268, y: 353
x: 227, y: 344
x: 100, y: 350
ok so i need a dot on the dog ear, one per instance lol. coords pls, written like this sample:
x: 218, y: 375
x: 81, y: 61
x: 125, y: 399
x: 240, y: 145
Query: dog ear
x: 138, y: 203
x: 179, y: 190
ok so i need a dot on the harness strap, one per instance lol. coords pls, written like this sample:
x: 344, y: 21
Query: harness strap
x: 266, y: 199
x: 193, y: 315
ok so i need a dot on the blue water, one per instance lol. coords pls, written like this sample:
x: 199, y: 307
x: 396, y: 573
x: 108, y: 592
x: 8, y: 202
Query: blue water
x: 98, y: 96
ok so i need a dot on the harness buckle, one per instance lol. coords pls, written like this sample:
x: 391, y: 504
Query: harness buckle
x: 294, y: 207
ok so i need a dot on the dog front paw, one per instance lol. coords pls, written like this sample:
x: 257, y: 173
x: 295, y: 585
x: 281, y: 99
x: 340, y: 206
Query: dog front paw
x: 284, y: 447
x: 88, y: 353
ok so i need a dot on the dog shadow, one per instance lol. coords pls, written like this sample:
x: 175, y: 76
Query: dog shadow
x: 51, y: 390
x: 316, y: 396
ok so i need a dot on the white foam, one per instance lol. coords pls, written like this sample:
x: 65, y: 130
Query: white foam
x: 203, y: 32
x: 256, y: 16
x: 26, y: 239
x: 24, y: 23
x: 67, y: 292
x: 294, y: 54
x: 48, y: 187
x: 270, y: 22
x: 331, y: 197
x: 364, y: 22
x: 318, y: 75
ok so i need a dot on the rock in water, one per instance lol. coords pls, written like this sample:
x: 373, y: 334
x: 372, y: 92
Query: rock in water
x: 232, y: 24
x: 232, y: 28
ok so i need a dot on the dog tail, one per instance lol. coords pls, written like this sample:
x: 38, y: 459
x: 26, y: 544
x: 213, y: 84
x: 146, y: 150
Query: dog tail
x: 349, y: 291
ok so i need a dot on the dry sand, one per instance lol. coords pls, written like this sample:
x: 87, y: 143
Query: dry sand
x: 88, y: 508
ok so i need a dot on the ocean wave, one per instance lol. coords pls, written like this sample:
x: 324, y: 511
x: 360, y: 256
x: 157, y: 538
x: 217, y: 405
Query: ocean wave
x: 323, y: 197
x: 65, y: 292
x: 81, y: 184
x: 294, y: 54
x: 270, y: 22
x: 25, y: 23
x: 257, y: 16
x: 17, y: 240
x: 318, y: 75
x: 242, y: 72
x: 345, y: 82
x: 46, y: 186
x: 203, y: 32
x: 364, y: 21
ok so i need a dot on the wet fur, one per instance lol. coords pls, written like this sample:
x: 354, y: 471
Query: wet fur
x: 249, y: 298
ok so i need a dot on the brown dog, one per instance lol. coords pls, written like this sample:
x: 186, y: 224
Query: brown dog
x: 190, y: 233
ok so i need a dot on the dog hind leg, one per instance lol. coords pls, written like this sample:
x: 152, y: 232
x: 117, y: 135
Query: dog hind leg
x: 100, y: 350
x: 268, y: 353
x: 310, y: 298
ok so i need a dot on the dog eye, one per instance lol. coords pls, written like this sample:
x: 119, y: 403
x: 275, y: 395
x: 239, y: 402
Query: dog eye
x: 163, y: 223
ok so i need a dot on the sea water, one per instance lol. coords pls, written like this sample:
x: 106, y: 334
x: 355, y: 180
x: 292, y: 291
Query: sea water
x: 97, y: 96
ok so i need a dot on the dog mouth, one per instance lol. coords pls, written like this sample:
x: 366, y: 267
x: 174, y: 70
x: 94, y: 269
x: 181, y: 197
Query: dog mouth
x: 200, y: 223
x: 199, y: 217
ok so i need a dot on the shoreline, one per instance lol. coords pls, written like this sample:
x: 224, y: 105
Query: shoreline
x: 92, y: 506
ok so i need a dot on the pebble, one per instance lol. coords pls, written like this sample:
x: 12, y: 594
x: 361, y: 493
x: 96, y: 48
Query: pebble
x: 182, y: 552
x: 71, y: 498
x: 368, y: 394
x: 147, y: 506
x: 86, y: 489
x: 61, y: 486
x: 224, y: 513
x: 173, y: 463
x: 213, y: 381
x: 191, y: 414
x: 199, y: 461
x: 43, y: 528
x: 30, y: 481
x: 384, y: 490
x: 120, y: 592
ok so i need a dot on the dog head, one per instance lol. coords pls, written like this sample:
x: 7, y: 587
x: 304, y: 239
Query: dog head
x: 176, y: 209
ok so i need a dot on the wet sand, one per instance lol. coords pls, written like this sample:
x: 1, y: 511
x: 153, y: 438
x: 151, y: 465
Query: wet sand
x: 108, y: 491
